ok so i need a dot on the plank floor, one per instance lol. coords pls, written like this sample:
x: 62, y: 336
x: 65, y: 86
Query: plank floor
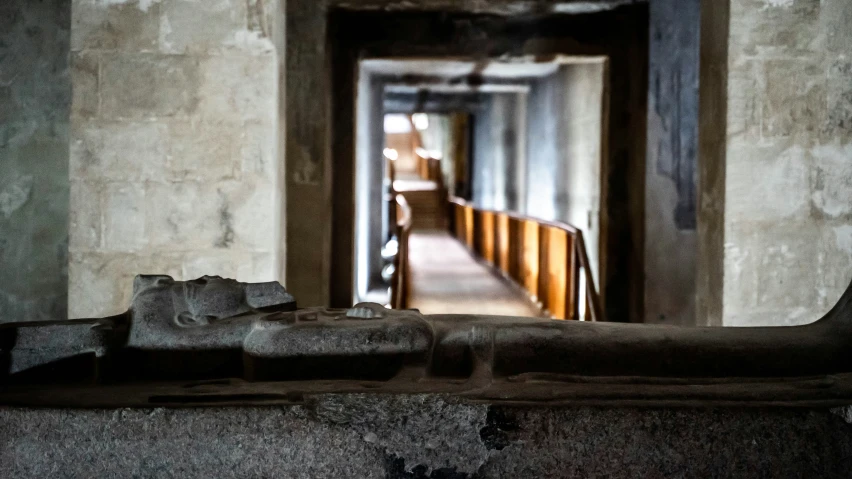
x: 447, y: 279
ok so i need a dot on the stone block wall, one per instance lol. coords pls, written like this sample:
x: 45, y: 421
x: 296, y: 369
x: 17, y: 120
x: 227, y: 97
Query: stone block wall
x: 35, y: 97
x: 174, y: 146
x: 788, y: 206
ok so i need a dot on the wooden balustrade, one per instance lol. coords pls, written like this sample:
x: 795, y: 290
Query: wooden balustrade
x: 402, y: 225
x: 548, y: 259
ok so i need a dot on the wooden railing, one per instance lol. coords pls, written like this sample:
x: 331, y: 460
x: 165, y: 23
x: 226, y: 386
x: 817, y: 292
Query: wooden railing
x: 548, y: 259
x: 402, y: 225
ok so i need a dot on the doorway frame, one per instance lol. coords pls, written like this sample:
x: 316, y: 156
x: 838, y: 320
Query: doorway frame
x: 319, y: 168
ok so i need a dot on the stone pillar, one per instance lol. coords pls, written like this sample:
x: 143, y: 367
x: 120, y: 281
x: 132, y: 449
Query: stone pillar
x: 174, y: 148
x: 788, y: 180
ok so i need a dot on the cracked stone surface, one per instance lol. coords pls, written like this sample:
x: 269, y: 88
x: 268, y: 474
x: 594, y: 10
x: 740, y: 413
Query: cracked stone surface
x: 423, y: 436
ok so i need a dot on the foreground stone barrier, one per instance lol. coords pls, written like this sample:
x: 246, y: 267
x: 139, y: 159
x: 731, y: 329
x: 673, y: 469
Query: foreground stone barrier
x: 217, y: 341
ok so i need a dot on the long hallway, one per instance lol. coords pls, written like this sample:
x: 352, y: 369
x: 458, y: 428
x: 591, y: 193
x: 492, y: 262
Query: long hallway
x: 446, y: 278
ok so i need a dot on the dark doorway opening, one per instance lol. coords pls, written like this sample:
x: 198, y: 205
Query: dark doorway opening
x: 620, y: 35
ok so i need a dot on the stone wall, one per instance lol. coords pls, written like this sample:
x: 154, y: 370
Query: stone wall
x: 788, y: 237
x: 579, y: 201
x: 564, y: 149
x: 498, y: 162
x: 671, y: 165
x: 423, y: 437
x: 35, y: 96
x: 174, y: 145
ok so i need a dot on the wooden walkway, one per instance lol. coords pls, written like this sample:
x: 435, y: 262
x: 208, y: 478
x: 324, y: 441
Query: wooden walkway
x: 447, y: 279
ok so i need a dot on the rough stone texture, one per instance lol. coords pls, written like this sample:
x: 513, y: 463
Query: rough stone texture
x: 174, y: 145
x: 671, y: 168
x: 35, y: 97
x: 420, y: 437
x: 788, y: 253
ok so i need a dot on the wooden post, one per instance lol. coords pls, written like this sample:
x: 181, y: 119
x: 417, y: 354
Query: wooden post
x: 503, y: 238
x: 544, y: 267
x: 530, y: 255
x: 573, y: 287
x: 468, y: 226
x: 487, y: 235
x: 559, y: 272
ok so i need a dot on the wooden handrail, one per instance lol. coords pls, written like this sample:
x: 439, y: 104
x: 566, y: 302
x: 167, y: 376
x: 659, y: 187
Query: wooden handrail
x: 399, y: 281
x: 544, y: 257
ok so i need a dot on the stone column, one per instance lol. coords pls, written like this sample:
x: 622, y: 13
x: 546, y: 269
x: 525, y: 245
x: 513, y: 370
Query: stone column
x: 174, y: 147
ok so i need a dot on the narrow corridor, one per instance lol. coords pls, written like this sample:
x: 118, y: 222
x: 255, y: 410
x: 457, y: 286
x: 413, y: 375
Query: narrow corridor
x: 446, y: 278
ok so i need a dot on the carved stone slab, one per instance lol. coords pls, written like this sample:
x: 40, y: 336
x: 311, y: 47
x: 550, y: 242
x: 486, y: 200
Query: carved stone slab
x: 218, y: 341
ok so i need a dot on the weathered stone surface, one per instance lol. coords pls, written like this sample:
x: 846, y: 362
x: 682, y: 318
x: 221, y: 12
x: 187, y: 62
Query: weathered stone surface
x: 118, y: 151
x: 124, y: 25
x: 770, y: 27
x: 838, y: 123
x: 795, y: 100
x: 224, y: 93
x: 831, y: 182
x: 258, y: 145
x: 249, y: 344
x: 174, y: 144
x: 203, y: 152
x: 768, y: 182
x: 124, y: 212
x: 423, y: 436
x: 788, y: 175
x: 746, y: 91
x: 84, y: 77
x: 835, y: 17
x: 109, y: 274
x: 85, y: 220
x: 35, y: 94
x: 187, y: 28
x: 459, y: 441
x: 188, y: 215
x: 141, y: 86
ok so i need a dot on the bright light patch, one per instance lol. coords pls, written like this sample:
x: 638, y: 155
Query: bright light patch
x: 391, y: 154
x: 421, y: 121
x: 395, y: 123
